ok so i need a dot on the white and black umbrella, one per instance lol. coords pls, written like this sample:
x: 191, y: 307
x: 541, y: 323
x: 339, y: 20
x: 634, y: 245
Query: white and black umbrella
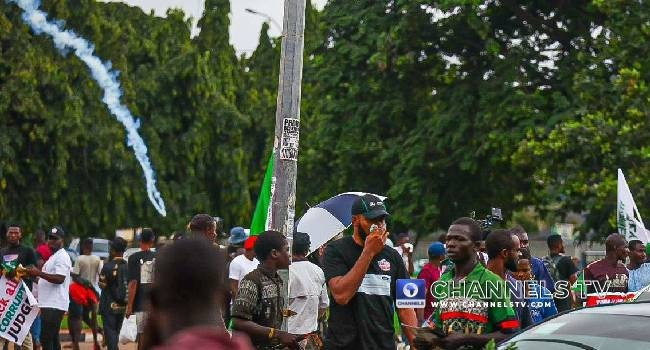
x: 327, y: 219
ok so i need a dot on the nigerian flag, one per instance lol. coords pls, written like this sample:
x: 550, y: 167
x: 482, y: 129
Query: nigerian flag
x: 260, y: 217
x: 580, y: 287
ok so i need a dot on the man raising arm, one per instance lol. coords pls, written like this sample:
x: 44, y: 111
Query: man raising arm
x: 361, y: 272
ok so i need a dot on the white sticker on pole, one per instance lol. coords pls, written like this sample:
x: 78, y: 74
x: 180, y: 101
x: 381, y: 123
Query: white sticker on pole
x: 290, y: 136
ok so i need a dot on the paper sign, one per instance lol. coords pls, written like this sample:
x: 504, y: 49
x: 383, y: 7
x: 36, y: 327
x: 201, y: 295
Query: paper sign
x: 290, y: 137
x: 18, y: 309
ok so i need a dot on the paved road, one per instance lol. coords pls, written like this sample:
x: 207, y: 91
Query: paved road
x: 89, y: 346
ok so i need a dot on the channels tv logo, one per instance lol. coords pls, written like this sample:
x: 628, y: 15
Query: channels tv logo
x: 411, y: 293
x: 410, y: 290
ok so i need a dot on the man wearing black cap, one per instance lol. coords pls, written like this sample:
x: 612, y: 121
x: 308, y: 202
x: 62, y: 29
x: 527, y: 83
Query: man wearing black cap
x: 361, y: 272
x: 113, y: 279
x: 53, y: 286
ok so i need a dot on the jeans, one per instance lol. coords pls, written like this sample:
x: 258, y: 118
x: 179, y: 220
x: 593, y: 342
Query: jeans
x: 112, y: 326
x: 50, y: 324
x: 36, y: 330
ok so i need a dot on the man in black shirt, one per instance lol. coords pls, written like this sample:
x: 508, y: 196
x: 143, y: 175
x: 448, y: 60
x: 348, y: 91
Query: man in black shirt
x: 361, y: 272
x: 112, y: 303
x: 141, y: 268
x: 503, y: 253
x: 563, y: 271
x: 17, y: 253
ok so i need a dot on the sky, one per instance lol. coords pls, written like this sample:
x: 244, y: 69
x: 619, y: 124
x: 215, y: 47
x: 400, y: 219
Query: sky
x: 244, y: 27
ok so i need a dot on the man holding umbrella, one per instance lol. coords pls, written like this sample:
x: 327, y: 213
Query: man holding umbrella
x: 361, y: 272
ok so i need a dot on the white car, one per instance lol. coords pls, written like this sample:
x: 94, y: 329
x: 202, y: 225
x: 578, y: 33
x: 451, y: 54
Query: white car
x: 130, y: 252
x: 101, y: 247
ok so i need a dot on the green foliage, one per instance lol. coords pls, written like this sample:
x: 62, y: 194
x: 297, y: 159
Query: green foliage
x: 446, y: 110
x: 64, y: 158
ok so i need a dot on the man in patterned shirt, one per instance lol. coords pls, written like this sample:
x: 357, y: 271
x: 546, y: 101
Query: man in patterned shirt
x: 258, y: 307
x: 468, y: 314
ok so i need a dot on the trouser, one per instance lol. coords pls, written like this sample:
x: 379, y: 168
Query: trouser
x: 50, y: 324
x: 112, y: 326
x: 27, y: 343
x: 36, y: 330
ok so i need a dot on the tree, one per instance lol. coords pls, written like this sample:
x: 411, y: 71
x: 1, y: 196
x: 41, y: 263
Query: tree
x: 605, y: 128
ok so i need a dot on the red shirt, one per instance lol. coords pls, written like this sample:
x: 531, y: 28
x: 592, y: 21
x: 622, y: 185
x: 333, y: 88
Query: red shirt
x: 44, y: 251
x: 429, y: 274
x: 82, y: 295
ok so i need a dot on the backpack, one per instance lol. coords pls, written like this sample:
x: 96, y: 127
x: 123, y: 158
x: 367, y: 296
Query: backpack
x: 119, y: 287
x: 551, y: 265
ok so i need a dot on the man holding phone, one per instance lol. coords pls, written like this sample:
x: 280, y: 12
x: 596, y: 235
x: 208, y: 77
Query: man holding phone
x: 361, y: 272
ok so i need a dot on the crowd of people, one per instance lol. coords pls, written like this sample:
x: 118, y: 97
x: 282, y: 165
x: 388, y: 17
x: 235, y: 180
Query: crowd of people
x: 195, y: 293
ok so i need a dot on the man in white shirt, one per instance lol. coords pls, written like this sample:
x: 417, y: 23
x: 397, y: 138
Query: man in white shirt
x: 86, y: 273
x: 241, y: 265
x: 405, y: 250
x: 307, y: 290
x: 53, y: 287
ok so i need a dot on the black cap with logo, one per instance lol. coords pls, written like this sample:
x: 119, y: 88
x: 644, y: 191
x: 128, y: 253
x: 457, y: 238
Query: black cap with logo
x: 57, y: 231
x: 369, y: 206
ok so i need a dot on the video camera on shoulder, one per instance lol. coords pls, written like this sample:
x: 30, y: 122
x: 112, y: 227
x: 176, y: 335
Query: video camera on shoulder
x: 490, y: 220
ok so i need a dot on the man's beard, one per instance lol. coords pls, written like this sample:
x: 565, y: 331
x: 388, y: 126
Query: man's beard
x: 362, y: 233
x: 511, y: 265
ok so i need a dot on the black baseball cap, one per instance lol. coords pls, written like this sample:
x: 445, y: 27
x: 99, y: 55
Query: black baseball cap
x: 369, y: 206
x: 57, y: 231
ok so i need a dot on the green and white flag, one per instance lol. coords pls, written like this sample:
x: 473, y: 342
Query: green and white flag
x: 629, y: 220
x: 262, y: 213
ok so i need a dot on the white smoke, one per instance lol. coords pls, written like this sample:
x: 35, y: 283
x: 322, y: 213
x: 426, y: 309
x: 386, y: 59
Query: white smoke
x: 107, y: 80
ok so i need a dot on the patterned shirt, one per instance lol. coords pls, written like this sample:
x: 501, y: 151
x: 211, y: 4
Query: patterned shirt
x: 639, y: 278
x: 259, y: 299
x: 467, y: 306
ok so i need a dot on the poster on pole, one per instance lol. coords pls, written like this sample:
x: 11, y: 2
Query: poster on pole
x: 18, y: 309
x: 290, y: 137
x: 629, y: 220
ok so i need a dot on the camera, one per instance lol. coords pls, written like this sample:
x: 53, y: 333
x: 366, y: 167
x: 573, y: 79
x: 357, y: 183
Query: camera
x: 490, y: 220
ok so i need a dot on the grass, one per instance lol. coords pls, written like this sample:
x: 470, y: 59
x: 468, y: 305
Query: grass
x: 64, y: 323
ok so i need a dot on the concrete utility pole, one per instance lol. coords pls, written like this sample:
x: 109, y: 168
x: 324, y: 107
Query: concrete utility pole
x: 287, y: 120
x: 287, y: 128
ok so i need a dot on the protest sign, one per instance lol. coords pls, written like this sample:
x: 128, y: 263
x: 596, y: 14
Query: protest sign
x: 629, y: 220
x: 18, y: 309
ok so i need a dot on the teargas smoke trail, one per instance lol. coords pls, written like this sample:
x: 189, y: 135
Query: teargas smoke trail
x: 107, y: 80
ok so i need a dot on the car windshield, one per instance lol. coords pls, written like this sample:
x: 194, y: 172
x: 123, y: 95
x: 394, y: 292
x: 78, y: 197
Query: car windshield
x: 585, y: 331
x: 100, y: 247
x: 643, y: 296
